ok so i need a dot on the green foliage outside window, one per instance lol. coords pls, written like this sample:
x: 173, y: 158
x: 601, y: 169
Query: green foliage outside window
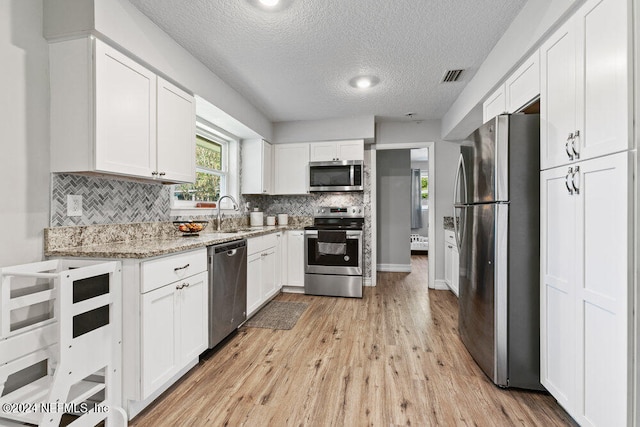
x: 208, y: 173
x: 425, y: 187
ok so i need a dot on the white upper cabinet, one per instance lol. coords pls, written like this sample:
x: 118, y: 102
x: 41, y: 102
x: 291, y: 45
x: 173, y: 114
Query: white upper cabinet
x: 337, y: 150
x: 111, y: 115
x: 585, y: 99
x: 495, y: 104
x: 257, y: 167
x: 518, y: 91
x: 176, y: 149
x: 523, y: 86
x: 291, y: 168
x: 125, y: 117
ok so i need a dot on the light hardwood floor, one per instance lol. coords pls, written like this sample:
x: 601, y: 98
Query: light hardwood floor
x: 391, y: 358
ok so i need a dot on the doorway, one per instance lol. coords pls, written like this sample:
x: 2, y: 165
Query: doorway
x: 383, y: 222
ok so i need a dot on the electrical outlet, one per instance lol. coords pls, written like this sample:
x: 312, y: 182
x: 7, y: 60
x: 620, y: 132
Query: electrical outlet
x: 74, y: 205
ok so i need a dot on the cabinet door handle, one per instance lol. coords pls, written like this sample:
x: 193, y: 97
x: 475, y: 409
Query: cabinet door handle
x: 178, y: 287
x: 566, y: 181
x: 576, y: 188
x: 450, y: 247
x: 566, y: 146
x: 162, y: 173
x: 573, y: 144
x: 154, y: 173
x: 185, y: 285
x: 181, y: 268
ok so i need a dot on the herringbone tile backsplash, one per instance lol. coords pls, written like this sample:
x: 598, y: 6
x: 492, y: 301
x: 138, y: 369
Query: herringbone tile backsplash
x: 108, y: 201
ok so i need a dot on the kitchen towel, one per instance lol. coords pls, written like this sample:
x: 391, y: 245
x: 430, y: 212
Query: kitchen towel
x: 331, y: 242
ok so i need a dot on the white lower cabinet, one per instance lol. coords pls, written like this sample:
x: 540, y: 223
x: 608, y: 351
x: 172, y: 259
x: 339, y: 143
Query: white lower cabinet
x: 263, y: 270
x: 165, y: 313
x: 585, y: 289
x: 451, y: 262
x: 295, y: 261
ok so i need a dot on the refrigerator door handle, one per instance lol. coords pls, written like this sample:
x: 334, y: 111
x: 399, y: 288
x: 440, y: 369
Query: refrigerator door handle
x: 460, y: 169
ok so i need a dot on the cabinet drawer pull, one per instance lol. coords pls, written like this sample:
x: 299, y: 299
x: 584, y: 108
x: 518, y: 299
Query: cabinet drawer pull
x: 576, y: 188
x: 573, y: 144
x: 154, y: 173
x: 450, y: 247
x: 185, y: 285
x: 178, y: 287
x: 162, y: 173
x: 181, y: 268
x: 566, y: 181
x: 566, y: 146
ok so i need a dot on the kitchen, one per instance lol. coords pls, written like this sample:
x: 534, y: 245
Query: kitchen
x: 28, y: 79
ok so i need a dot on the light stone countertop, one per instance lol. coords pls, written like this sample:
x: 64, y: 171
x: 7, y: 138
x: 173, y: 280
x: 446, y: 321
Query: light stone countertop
x: 151, y: 247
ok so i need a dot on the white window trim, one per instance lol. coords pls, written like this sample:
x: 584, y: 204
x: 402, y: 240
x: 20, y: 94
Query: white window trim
x: 230, y: 162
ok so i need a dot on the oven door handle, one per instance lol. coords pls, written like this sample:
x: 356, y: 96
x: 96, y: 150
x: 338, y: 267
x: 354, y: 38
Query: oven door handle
x: 351, y: 234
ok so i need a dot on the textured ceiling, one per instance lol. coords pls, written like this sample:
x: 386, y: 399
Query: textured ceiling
x: 295, y: 63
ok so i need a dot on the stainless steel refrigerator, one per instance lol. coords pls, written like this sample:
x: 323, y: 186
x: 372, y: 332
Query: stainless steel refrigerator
x: 497, y: 202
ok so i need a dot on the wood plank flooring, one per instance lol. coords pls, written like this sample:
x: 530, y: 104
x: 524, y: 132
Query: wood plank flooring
x: 392, y: 358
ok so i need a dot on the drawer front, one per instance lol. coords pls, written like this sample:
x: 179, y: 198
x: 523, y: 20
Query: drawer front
x: 270, y: 240
x: 158, y: 272
x: 255, y: 245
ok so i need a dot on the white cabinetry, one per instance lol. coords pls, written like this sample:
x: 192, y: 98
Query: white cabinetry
x: 495, y: 104
x: 337, y: 150
x: 257, y: 167
x: 520, y: 88
x: 523, y: 86
x: 585, y: 107
x: 585, y: 260
x: 451, y: 262
x: 295, y: 261
x: 111, y: 115
x: 263, y: 270
x: 165, y: 309
x: 291, y: 167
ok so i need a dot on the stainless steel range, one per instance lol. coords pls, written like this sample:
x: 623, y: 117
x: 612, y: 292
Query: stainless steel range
x: 333, y: 252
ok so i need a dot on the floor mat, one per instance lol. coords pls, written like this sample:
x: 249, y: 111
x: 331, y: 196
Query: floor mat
x: 278, y: 315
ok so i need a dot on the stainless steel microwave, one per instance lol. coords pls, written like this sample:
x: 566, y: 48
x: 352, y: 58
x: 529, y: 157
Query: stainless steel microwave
x: 340, y: 175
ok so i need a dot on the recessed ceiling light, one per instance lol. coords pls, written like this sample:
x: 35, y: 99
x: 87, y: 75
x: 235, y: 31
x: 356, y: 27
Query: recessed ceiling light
x: 364, y: 82
x: 269, y: 3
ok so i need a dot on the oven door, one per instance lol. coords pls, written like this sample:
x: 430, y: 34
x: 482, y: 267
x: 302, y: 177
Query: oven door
x: 349, y: 264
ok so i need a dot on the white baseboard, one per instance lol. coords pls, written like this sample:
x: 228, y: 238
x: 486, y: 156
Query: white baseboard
x: 395, y: 268
x: 293, y: 289
x: 440, y: 285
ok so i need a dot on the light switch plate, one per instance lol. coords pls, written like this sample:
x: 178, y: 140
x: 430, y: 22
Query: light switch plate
x: 74, y: 205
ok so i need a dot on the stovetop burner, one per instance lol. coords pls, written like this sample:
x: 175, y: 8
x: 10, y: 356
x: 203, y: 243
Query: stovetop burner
x: 338, y: 218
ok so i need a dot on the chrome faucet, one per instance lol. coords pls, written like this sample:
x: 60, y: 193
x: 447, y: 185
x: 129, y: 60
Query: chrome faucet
x: 235, y: 207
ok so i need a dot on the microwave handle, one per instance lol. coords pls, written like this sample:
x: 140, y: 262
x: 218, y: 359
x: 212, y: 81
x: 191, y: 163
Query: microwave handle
x: 352, y: 175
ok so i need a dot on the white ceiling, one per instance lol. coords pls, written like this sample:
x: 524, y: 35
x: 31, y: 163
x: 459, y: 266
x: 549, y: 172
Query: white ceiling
x: 295, y: 63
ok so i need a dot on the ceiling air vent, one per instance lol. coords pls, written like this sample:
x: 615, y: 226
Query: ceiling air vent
x: 451, y: 76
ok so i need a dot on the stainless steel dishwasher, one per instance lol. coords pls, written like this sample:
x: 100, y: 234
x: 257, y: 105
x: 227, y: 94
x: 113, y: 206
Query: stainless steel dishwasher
x: 227, y: 289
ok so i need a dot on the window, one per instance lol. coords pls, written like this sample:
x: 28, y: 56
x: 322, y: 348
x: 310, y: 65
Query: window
x: 211, y: 171
x: 424, y: 181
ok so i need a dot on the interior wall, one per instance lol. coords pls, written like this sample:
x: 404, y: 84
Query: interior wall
x: 441, y: 177
x: 393, y: 207
x: 361, y: 127
x: 24, y: 145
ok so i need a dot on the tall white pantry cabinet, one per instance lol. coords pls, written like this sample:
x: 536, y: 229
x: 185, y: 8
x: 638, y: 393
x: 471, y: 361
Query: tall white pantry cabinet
x: 587, y: 182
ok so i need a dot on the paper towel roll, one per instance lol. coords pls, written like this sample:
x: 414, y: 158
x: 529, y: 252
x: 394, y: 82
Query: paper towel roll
x: 256, y: 219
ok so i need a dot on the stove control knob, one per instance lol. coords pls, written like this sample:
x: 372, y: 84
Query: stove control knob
x: 321, y: 210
